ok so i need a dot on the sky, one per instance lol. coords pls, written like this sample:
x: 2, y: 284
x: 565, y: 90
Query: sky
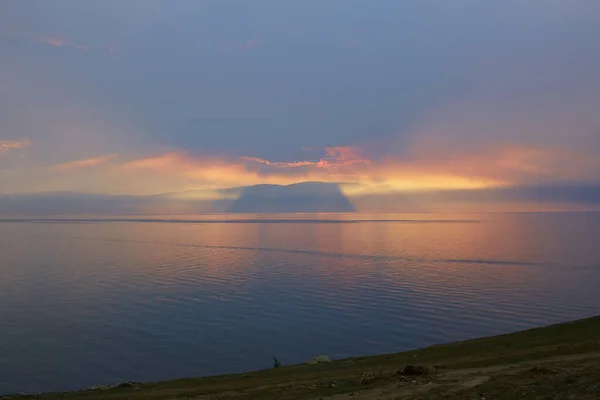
x: 139, y: 97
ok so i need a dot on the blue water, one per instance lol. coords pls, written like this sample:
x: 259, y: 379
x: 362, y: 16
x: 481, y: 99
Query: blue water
x: 87, y: 302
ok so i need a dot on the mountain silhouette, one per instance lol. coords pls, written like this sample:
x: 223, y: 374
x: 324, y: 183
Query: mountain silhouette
x: 306, y: 197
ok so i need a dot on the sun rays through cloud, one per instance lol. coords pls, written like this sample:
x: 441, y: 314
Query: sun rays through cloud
x: 192, y: 97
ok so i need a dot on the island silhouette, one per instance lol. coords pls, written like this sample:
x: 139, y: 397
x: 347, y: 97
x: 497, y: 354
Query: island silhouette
x: 305, y: 197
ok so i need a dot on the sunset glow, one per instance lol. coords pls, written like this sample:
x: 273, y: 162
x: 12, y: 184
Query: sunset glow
x: 86, y: 110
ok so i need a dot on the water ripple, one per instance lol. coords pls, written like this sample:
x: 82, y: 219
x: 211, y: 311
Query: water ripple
x: 93, y: 304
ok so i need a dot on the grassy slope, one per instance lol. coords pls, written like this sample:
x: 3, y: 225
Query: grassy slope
x: 310, y: 381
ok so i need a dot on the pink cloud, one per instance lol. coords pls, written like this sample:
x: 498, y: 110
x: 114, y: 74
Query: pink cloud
x: 344, y: 155
x: 86, y: 163
x: 52, y: 41
x: 7, y: 145
x: 57, y: 41
x: 334, y: 157
x: 279, y: 163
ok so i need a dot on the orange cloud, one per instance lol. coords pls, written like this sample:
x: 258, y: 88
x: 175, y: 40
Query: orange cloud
x: 509, y: 162
x: 420, y: 169
x: 202, y: 169
x: 62, y: 42
x: 52, y: 41
x: 340, y: 164
x: 429, y: 167
x: 211, y: 172
x: 6, y: 145
x: 86, y: 163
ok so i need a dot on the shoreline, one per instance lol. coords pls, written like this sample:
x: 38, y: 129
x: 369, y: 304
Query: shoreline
x: 432, y: 371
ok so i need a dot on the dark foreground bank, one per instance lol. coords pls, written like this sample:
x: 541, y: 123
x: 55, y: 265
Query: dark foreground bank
x: 556, y: 362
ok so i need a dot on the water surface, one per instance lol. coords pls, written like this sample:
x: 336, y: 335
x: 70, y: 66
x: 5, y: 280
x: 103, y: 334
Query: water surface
x: 87, y: 302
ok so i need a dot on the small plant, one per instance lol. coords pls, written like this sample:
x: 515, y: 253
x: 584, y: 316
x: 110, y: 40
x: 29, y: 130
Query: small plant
x: 276, y: 364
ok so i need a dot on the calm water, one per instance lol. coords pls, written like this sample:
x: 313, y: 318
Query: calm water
x: 86, y: 303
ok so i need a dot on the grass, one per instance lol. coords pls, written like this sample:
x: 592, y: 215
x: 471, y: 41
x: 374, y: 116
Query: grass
x: 343, y: 376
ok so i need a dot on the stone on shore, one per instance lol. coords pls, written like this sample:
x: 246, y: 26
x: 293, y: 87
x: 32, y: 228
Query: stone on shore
x: 323, y: 358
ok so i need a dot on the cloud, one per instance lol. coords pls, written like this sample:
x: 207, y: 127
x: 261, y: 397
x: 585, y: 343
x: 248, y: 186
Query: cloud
x: 86, y: 163
x: 56, y: 41
x: 420, y: 170
x: 339, y: 164
x: 283, y: 164
x: 335, y: 157
x: 7, y: 145
x: 52, y: 41
x: 504, y: 96
x: 209, y: 171
x: 511, y: 163
x: 343, y: 156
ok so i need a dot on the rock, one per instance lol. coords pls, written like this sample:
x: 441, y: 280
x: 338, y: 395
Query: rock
x: 323, y: 358
x: 367, y: 378
x: 125, y: 385
x: 98, y: 388
x: 411, y: 370
x: 569, y: 380
x: 542, y: 370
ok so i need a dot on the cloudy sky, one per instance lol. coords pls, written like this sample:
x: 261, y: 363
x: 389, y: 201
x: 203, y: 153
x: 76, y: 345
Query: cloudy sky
x: 152, y: 96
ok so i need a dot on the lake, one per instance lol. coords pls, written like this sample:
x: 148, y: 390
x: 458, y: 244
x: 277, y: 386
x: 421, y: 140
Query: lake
x: 87, y: 302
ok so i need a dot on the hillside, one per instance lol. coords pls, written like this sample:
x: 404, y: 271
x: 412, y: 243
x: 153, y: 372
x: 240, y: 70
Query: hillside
x: 555, y: 362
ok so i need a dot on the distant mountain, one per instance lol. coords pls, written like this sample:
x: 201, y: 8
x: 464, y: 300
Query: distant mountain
x: 72, y: 203
x: 309, y: 197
